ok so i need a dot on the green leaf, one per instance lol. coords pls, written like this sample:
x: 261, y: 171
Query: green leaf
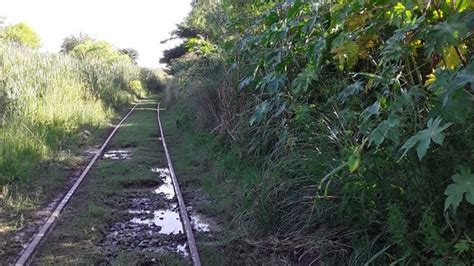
x: 274, y: 82
x: 345, y: 51
x: 373, y: 109
x: 353, y: 89
x: 303, y: 80
x: 244, y: 83
x: 461, y: 5
x: 444, y: 34
x: 466, y: 76
x: 260, y: 112
x: 448, y: 83
x: 422, y: 139
x: 463, y: 186
x: 386, y: 129
x: 462, y: 246
x: 354, y: 161
x: 294, y: 9
x: 422, y: 147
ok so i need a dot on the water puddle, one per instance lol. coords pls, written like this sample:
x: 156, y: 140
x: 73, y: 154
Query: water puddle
x: 161, y: 171
x: 199, y: 223
x: 153, y: 223
x: 182, y: 249
x: 166, y: 188
x: 118, y: 155
x: 168, y: 220
x: 90, y: 152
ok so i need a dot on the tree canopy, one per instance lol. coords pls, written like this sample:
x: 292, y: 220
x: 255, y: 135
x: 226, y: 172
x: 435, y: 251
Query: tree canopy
x: 130, y: 52
x: 21, y: 34
x: 70, y: 42
x: 98, y: 50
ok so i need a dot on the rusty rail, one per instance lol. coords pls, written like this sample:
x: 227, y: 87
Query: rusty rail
x: 182, y: 207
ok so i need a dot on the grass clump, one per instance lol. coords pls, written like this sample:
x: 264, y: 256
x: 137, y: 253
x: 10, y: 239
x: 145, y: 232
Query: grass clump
x: 47, y: 99
x: 44, y: 100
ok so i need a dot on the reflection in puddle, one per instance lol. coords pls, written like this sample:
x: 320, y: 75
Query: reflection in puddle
x: 168, y: 220
x: 182, y: 249
x: 199, y: 224
x: 167, y: 187
x: 118, y: 155
x: 161, y: 171
x: 90, y: 152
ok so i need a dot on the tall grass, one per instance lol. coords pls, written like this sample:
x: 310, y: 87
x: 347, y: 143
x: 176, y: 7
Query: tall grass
x: 46, y: 98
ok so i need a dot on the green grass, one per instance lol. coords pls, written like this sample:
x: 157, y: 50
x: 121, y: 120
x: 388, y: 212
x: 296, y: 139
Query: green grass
x: 20, y: 201
x: 205, y: 169
x: 249, y: 203
x: 98, y: 201
x: 46, y: 99
x: 51, y: 107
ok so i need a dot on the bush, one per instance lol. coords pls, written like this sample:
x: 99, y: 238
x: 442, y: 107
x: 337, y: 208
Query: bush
x: 154, y: 80
x: 360, y: 116
x: 47, y: 98
x: 205, y: 84
x: 21, y: 34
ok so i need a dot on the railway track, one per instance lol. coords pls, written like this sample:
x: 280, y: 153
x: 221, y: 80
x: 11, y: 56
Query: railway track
x: 27, y: 254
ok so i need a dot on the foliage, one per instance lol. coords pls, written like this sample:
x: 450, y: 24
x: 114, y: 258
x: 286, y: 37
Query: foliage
x: 45, y: 103
x: 185, y: 32
x: 72, y: 41
x: 130, y: 52
x: 21, y: 34
x: 47, y: 99
x: 173, y: 53
x: 351, y: 89
x: 154, y: 80
x: 100, y: 50
x: 423, y: 138
x: 463, y: 186
x: 199, y: 46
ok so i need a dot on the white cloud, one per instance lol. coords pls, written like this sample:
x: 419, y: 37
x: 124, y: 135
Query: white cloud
x: 138, y: 24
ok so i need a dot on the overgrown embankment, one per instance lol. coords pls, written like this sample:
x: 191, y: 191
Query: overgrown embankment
x: 46, y: 100
x: 53, y: 106
x: 357, y: 116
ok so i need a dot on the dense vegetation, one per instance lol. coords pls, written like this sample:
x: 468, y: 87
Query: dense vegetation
x: 357, y: 117
x: 47, y: 101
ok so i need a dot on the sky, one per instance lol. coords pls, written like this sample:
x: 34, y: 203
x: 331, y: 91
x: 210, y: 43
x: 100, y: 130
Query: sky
x: 138, y: 24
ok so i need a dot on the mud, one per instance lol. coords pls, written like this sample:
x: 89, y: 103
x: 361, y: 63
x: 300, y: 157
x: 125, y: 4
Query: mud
x: 151, y: 222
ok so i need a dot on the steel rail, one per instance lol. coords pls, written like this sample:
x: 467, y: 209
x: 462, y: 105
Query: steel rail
x: 27, y: 253
x: 182, y: 207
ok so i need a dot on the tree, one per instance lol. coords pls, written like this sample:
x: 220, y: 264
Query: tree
x: 22, y: 34
x: 153, y: 78
x: 69, y: 43
x: 132, y: 53
x: 98, y: 50
x: 173, y: 53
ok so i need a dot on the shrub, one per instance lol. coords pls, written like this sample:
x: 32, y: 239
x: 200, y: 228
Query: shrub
x: 365, y: 108
x: 46, y: 98
x: 21, y: 34
x: 154, y: 80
